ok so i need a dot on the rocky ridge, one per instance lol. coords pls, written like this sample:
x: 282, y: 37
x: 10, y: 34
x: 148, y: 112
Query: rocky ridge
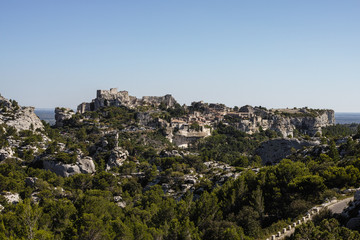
x: 201, y: 118
x: 112, y: 97
x: 21, y: 118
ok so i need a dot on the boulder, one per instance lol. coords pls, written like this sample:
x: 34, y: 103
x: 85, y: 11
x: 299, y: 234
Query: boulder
x: 82, y: 165
x: 117, y: 157
x: 119, y: 201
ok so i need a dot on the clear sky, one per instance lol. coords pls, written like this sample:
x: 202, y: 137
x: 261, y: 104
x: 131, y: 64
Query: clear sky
x: 259, y: 52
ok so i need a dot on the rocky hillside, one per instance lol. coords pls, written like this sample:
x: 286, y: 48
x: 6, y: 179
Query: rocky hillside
x: 284, y: 121
x: 157, y: 170
x: 21, y: 118
x: 185, y: 125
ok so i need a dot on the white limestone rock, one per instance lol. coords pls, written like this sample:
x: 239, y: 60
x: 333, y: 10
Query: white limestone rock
x: 21, y: 118
x: 5, y: 153
x: 62, y: 114
x: 82, y: 165
x: 119, y: 201
x: 117, y: 157
x: 13, y: 198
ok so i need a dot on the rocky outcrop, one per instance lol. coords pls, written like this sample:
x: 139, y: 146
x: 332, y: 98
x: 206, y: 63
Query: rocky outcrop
x: 12, y: 198
x: 62, y: 114
x: 176, y: 153
x: 82, y: 165
x: 306, y: 121
x: 275, y: 150
x: 119, y: 201
x: 184, y: 138
x: 21, y: 118
x: 5, y: 153
x: 182, y: 134
x: 117, y: 157
x: 106, y: 98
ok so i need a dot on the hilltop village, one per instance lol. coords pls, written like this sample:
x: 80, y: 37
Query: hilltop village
x: 196, y: 121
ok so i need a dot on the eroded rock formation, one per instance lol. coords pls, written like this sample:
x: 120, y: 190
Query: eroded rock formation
x: 62, y: 114
x: 273, y: 151
x: 82, y: 165
x: 105, y: 98
x: 21, y: 118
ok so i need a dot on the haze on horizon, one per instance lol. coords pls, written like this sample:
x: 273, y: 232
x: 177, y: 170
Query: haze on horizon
x: 275, y: 54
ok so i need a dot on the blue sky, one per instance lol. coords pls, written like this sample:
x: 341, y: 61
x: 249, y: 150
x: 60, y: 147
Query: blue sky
x: 269, y: 53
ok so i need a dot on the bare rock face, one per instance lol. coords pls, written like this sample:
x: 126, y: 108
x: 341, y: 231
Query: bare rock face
x: 5, y: 153
x: 119, y: 201
x: 286, y: 122
x: 275, y: 150
x: 62, y: 114
x: 21, y: 118
x: 106, y: 98
x: 26, y: 119
x: 117, y: 157
x: 13, y: 198
x: 83, y: 165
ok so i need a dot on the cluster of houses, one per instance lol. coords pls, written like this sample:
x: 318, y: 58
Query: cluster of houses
x: 201, y: 119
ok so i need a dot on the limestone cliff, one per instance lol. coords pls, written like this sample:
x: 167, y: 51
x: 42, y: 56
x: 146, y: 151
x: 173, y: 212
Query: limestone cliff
x: 286, y: 122
x: 21, y: 118
x: 105, y: 98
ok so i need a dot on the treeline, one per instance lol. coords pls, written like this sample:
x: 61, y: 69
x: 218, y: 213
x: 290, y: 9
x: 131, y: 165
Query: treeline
x: 83, y: 206
x: 341, y: 130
